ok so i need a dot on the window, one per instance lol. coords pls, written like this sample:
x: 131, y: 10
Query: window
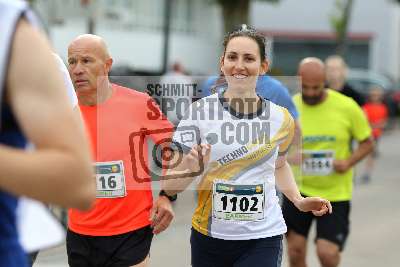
x: 120, y: 14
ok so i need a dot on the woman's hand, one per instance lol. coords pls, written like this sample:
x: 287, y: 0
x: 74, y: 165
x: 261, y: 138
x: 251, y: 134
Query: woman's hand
x: 198, y: 157
x: 318, y: 206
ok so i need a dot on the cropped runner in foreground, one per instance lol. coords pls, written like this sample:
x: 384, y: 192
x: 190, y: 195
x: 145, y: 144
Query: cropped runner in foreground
x: 35, y: 108
x: 329, y: 122
x: 240, y: 151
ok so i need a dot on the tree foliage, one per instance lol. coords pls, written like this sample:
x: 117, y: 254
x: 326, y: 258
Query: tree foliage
x: 236, y: 12
x: 340, y: 23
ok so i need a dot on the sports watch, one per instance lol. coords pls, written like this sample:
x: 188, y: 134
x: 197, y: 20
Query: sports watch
x: 171, y: 198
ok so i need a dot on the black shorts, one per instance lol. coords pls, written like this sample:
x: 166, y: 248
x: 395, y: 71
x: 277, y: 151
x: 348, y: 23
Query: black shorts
x: 117, y: 251
x: 333, y: 227
x: 32, y: 257
x: 212, y: 252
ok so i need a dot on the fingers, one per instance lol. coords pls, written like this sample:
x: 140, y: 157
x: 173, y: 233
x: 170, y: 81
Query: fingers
x: 196, y: 153
x: 205, y: 149
x: 315, y: 203
x: 199, y: 156
x: 340, y: 166
x: 153, y: 216
x: 206, y: 152
x: 324, y: 207
x: 163, y: 220
x: 337, y: 165
x: 318, y: 206
x: 321, y: 211
x: 329, y: 205
x: 162, y: 215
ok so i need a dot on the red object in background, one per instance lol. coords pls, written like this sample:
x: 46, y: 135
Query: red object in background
x: 85, y: 2
x: 377, y: 113
x: 396, y: 96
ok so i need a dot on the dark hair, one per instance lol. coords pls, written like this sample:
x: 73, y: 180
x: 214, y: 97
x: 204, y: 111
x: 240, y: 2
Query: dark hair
x: 247, y: 31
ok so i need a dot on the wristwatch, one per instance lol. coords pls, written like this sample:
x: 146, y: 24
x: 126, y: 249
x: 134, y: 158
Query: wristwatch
x: 171, y: 198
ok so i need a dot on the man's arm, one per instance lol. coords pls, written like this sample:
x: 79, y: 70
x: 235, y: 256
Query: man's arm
x: 286, y: 184
x: 364, y: 148
x: 59, y: 170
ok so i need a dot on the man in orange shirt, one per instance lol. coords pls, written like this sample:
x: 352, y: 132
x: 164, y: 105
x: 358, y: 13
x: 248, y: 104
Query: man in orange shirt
x: 118, y: 230
x: 377, y: 114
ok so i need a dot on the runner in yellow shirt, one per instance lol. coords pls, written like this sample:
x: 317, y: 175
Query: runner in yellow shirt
x: 329, y: 121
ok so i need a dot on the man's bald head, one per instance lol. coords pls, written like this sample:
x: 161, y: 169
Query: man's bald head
x: 335, y: 59
x: 312, y: 73
x: 93, y: 42
x: 89, y: 64
x: 312, y: 67
x: 336, y: 72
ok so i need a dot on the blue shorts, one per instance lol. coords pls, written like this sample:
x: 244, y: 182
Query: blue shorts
x: 213, y: 252
x: 13, y: 258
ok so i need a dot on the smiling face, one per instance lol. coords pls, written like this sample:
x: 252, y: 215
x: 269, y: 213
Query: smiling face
x: 88, y: 64
x: 242, y: 64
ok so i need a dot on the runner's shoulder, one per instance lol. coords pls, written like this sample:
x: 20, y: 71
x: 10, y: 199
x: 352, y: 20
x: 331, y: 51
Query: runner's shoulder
x: 207, y: 100
x: 279, y: 110
x: 342, y: 99
x: 334, y: 96
x: 267, y: 82
x: 296, y: 98
x: 130, y: 92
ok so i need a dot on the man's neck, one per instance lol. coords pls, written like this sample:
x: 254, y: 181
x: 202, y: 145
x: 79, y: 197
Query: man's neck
x: 102, y: 94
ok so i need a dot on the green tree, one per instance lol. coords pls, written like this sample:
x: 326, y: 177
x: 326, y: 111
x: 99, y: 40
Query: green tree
x: 340, y: 23
x: 236, y: 12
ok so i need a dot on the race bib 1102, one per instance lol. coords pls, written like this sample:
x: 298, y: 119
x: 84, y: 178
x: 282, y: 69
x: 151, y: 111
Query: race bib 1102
x: 238, y: 202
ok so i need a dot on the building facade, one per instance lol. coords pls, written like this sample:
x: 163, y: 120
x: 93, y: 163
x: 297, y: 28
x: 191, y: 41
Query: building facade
x: 133, y: 31
x: 302, y: 28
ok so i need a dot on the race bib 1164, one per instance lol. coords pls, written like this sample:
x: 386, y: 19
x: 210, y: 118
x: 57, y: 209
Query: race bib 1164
x: 319, y: 163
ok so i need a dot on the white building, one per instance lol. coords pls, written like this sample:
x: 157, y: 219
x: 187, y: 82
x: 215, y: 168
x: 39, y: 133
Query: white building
x: 133, y: 31
x: 374, y: 31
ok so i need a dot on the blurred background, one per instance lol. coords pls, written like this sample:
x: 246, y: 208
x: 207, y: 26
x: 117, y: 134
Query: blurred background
x: 145, y: 37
